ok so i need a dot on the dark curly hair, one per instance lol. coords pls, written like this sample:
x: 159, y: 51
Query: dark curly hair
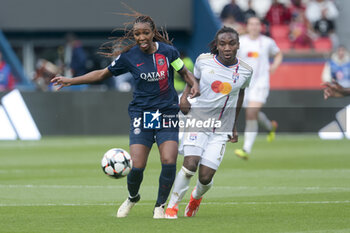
x: 213, y: 44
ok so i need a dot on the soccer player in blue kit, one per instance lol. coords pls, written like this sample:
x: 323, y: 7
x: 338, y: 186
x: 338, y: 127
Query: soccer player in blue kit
x: 151, y: 60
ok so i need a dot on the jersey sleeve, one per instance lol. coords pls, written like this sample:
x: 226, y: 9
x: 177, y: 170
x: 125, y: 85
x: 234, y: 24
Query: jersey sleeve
x: 273, y: 48
x: 247, y: 81
x: 197, y: 69
x: 118, y: 66
x: 175, y: 59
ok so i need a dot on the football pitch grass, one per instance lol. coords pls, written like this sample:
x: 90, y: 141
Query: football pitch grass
x: 298, y: 183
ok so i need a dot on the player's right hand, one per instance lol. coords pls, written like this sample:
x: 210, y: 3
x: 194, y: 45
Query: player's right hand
x: 195, y: 90
x: 185, y: 105
x: 61, y: 82
x: 234, y: 137
x: 332, y: 89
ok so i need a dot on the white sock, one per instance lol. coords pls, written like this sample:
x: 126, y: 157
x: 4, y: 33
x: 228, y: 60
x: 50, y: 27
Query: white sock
x: 250, y: 132
x: 201, y: 189
x: 264, y: 121
x: 181, y: 186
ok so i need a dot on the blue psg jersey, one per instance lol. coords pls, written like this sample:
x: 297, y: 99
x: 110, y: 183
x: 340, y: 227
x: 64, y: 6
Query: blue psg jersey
x: 153, y: 76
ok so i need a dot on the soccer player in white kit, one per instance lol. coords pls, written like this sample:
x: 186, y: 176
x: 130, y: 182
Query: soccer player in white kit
x: 223, y: 79
x: 256, y: 49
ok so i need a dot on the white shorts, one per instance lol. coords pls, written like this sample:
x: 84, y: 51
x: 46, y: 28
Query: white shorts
x: 256, y: 94
x: 209, y: 146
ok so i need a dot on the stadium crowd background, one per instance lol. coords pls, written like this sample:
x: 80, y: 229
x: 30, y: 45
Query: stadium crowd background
x: 66, y: 38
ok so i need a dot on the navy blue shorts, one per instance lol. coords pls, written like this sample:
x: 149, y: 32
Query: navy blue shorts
x: 147, y: 128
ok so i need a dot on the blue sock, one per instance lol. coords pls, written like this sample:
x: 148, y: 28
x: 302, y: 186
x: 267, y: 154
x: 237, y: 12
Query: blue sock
x: 134, y: 180
x: 166, y: 180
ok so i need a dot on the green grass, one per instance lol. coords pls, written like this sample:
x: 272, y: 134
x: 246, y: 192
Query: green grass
x: 296, y: 184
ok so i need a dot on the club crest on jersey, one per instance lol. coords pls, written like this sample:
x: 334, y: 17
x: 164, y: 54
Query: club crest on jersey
x: 235, y: 77
x: 137, y: 131
x: 193, y: 136
x: 160, y: 61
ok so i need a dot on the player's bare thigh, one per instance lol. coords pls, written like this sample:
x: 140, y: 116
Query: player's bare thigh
x: 253, y: 109
x: 168, y: 152
x: 139, y: 155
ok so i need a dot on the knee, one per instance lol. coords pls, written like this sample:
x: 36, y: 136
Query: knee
x: 190, y: 166
x: 205, y: 179
x: 139, y: 163
x: 168, y: 160
x: 168, y: 152
x: 187, y: 172
x: 252, y: 115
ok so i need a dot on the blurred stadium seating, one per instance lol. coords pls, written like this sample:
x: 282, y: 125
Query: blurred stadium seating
x: 280, y: 34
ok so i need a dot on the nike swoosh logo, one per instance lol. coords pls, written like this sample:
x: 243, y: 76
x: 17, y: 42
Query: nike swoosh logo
x: 140, y: 64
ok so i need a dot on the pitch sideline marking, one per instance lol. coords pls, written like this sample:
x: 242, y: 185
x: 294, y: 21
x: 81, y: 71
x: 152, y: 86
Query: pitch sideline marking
x: 150, y: 186
x: 204, y: 203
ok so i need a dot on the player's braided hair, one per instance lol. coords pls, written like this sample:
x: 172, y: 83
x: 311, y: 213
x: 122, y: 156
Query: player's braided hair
x: 126, y: 42
x: 161, y: 36
x: 213, y: 43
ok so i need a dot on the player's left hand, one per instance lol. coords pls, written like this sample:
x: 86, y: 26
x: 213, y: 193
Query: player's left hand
x: 234, y: 137
x: 185, y: 105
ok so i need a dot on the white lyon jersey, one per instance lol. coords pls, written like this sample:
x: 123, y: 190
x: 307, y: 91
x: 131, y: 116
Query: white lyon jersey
x: 219, y: 86
x: 256, y: 53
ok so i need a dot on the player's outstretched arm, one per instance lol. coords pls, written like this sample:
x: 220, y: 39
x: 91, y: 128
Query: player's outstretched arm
x: 333, y: 89
x: 91, y: 77
x: 185, y: 105
x: 234, y: 137
x: 277, y: 60
x: 191, y: 81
